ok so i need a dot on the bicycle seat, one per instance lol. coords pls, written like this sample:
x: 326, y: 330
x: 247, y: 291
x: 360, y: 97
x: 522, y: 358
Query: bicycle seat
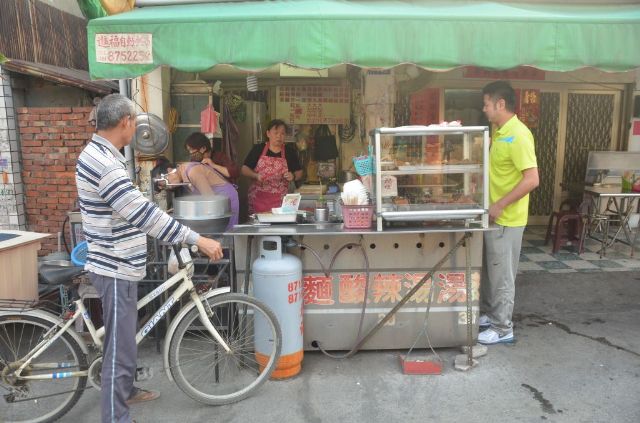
x: 54, y: 273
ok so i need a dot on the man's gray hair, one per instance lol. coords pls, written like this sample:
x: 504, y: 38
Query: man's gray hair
x: 112, y: 109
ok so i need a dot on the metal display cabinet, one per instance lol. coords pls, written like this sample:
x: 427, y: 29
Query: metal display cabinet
x: 431, y: 174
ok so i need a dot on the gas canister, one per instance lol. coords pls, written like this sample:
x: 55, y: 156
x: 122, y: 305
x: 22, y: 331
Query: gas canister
x: 277, y: 281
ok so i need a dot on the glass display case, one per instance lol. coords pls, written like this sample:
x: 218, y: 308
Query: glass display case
x: 431, y: 174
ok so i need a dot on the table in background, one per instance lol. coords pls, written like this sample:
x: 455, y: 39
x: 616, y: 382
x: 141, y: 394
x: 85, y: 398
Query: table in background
x: 19, y: 264
x: 619, y: 208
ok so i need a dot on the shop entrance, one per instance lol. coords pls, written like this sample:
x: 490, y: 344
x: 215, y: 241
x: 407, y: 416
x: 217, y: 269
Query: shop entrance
x: 572, y: 123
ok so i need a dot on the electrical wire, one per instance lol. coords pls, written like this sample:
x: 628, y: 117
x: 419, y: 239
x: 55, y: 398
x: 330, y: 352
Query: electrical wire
x: 306, y: 247
x: 353, y: 349
x: 64, y: 237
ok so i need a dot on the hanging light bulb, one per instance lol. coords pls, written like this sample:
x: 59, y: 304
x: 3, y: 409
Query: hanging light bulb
x: 252, y: 83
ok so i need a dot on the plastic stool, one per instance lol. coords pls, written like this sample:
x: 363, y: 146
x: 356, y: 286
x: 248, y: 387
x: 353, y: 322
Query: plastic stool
x: 567, y: 227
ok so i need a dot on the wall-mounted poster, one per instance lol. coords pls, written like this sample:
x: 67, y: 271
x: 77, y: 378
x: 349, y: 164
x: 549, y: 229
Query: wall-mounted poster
x: 313, y: 104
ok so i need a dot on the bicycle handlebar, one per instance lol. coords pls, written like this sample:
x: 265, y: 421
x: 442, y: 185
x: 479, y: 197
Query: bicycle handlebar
x: 176, y: 250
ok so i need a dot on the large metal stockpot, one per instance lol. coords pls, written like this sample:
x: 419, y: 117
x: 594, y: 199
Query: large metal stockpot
x: 203, y: 213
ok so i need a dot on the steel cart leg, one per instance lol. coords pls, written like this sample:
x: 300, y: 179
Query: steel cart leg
x: 467, y: 250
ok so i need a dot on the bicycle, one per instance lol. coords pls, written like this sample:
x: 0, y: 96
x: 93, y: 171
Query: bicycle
x: 210, y: 344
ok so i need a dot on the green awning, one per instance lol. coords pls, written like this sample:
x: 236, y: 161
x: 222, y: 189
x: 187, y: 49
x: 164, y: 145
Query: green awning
x: 437, y: 35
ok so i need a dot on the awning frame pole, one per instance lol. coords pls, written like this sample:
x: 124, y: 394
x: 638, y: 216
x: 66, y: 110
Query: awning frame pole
x: 123, y: 84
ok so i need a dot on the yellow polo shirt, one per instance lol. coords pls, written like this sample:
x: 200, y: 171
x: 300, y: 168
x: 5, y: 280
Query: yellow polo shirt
x: 512, y: 152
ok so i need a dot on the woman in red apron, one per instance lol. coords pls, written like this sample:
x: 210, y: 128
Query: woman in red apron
x: 277, y: 164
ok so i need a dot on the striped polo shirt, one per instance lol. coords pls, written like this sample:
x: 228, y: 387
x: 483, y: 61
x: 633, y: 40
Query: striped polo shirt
x: 116, y: 216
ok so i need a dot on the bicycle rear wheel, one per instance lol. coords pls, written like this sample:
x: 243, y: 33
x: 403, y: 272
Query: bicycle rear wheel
x: 204, y: 371
x: 43, y: 400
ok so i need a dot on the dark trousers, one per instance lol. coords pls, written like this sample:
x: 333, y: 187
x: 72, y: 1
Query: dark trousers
x: 119, y: 298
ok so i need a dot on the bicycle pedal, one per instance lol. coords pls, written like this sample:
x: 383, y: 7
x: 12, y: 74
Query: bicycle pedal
x: 143, y: 373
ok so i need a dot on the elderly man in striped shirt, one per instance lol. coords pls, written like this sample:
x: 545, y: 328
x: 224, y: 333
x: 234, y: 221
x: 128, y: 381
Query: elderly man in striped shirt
x: 116, y: 219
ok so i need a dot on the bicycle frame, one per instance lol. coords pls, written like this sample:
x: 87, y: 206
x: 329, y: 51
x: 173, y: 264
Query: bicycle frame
x: 97, y: 335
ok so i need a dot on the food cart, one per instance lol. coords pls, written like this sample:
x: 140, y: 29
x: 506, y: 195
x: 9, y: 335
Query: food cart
x: 371, y: 287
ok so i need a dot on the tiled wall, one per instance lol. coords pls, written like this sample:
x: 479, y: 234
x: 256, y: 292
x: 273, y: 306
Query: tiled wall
x: 12, y: 211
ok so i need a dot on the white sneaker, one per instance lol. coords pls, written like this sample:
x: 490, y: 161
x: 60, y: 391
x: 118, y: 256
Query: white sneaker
x: 491, y: 336
x: 484, y: 321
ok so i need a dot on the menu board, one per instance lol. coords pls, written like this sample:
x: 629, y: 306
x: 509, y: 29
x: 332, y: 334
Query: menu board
x: 425, y: 106
x: 319, y: 104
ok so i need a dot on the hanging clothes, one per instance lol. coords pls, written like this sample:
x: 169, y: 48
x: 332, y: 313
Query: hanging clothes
x: 267, y: 194
x: 209, y: 121
x: 230, y: 133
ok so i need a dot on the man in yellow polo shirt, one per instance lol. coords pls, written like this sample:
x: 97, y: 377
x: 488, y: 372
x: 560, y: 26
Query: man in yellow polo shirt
x: 513, y: 174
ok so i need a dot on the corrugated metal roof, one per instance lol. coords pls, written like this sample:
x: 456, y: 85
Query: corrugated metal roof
x: 72, y: 77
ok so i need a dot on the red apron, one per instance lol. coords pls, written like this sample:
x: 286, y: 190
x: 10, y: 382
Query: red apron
x: 265, y: 195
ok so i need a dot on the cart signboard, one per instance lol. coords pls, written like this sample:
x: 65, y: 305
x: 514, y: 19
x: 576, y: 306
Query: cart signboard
x: 387, y: 288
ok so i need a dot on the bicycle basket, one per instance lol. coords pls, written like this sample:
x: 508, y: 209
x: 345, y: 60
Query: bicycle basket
x: 79, y: 254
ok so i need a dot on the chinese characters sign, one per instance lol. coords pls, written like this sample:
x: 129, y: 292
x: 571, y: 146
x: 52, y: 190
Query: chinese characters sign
x: 124, y: 49
x: 528, y: 107
x: 387, y: 288
x: 389, y: 186
x: 521, y: 72
x: 313, y: 104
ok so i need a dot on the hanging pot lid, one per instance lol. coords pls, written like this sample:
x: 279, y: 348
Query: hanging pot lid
x: 151, y: 136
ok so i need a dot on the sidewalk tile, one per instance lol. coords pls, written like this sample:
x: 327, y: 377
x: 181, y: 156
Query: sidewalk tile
x: 541, y: 257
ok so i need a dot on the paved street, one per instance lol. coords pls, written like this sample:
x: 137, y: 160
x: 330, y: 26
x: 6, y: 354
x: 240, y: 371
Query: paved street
x: 576, y: 359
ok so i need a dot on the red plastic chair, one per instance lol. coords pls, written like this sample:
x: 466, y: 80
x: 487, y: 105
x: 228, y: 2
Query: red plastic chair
x: 567, y: 227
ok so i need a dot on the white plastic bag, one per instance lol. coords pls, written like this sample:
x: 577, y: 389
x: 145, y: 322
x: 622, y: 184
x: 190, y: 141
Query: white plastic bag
x: 172, y: 265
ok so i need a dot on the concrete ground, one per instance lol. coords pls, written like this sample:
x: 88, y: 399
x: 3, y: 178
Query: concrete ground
x: 576, y: 359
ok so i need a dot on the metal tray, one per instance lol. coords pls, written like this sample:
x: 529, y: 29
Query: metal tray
x: 277, y: 218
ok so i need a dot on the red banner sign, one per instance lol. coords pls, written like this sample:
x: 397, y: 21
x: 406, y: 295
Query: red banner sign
x: 521, y: 73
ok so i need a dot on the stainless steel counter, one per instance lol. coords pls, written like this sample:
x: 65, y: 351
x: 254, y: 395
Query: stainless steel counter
x: 339, y: 229
x: 398, y: 258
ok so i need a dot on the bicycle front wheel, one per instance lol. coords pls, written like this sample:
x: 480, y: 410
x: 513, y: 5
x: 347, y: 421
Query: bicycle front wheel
x: 41, y: 400
x: 207, y: 373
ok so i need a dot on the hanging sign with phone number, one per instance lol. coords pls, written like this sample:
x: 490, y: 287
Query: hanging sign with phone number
x: 124, y: 49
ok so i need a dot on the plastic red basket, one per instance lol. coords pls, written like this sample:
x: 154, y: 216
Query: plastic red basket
x: 357, y: 217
